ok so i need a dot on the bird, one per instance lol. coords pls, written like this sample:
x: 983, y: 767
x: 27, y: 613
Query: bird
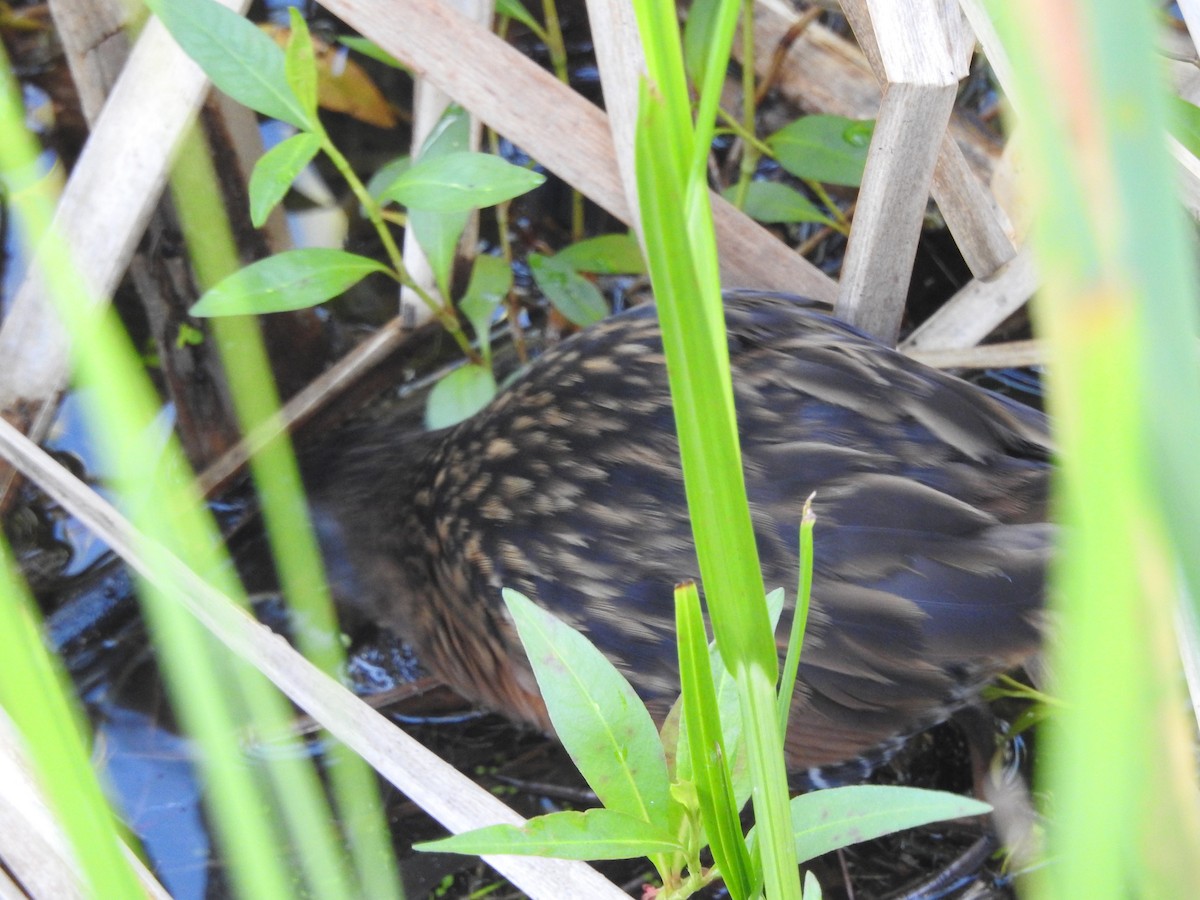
x: 931, y: 543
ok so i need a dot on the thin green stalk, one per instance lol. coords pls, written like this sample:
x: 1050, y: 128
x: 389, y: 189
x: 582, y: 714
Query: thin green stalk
x: 553, y: 38
x: 672, y: 154
x: 286, y: 515
x: 444, y: 313
x: 38, y: 698
x: 147, y: 477
x: 791, y: 663
x: 1118, y: 312
x: 749, y: 124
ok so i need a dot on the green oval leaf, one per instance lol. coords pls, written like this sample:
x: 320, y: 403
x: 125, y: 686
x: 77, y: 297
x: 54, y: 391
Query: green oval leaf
x: 300, y: 63
x: 592, y: 834
x: 775, y: 203
x: 608, y: 254
x: 459, y: 181
x: 570, y: 293
x: 296, y: 279
x: 829, y: 149
x: 601, y: 722
x: 459, y: 395
x: 274, y: 173
x: 236, y: 56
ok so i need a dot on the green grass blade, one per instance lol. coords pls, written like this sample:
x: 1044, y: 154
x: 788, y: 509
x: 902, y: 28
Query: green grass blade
x: 38, y: 699
x: 710, y: 765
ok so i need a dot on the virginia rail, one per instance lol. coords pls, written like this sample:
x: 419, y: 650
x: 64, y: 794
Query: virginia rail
x: 931, y: 539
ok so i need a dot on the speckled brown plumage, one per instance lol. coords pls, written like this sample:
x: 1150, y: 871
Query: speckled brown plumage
x: 931, y: 540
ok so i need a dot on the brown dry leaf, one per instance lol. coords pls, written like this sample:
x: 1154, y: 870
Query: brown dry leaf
x: 342, y: 85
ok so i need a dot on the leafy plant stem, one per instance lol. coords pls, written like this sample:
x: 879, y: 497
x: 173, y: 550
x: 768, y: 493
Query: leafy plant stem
x: 443, y: 312
x: 750, y: 155
x: 842, y: 223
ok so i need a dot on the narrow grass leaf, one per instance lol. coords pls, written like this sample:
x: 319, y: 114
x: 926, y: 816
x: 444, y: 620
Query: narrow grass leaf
x: 791, y: 663
x: 236, y: 56
x: 459, y: 395
x: 300, y: 64
x: 608, y: 254
x: 829, y: 149
x: 371, y: 50
x: 773, y: 203
x: 296, y: 279
x: 460, y: 181
x: 592, y: 834
x: 36, y: 696
x: 513, y: 9
x: 698, y: 33
x: 706, y: 747
x: 601, y: 722
x: 838, y: 817
x: 571, y: 293
x: 274, y: 173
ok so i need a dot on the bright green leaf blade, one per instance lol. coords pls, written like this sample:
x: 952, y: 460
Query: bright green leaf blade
x: 706, y: 746
x: 698, y: 34
x: 608, y: 254
x: 838, y: 817
x: 459, y: 395
x: 386, y: 174
x: 438, y: 233
x: 300, y: 64
x: 774, y: 203
x: 601, y: 722
x: 1185, y: 123
x: 514, y: 10
x: 593, y: 834
x: 236, y: 56
x: 296, y: 279
x: 372, y: 50
x: 491, y: 280
x: 460, y: 181
x: 570, y: 293
x: 274, y: 173
x: 829, y: 149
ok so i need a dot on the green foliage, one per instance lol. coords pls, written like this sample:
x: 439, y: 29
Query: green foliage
x: 459, y: 395
x: 774, y: 203
x: 239, y: 58
x: 491, y: 280
x: 608, y: 733
x: 460, y: 181
x: 438, y: 233
x: 563, y: 277
x: 828, y: 149
x: 294, y: 279
x: 599, y: 719
x: 371, y: 50
x: 571, y: 293
x: 513, y: 9
x: 274, y: 173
